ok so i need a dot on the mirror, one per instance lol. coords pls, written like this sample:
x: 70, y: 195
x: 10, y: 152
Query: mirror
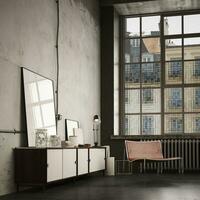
x: 39, y: 102
x: 69, y: 126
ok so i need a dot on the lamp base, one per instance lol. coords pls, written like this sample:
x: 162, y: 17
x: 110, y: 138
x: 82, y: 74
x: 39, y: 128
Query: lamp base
x: 96, y: 144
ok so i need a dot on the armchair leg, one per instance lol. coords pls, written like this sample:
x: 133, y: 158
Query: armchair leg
x: 158, y: 168
x: 144, y: 165
x: 140, y: 168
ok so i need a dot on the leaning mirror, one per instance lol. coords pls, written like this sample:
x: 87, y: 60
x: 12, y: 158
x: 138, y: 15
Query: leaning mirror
x: 39, y: 102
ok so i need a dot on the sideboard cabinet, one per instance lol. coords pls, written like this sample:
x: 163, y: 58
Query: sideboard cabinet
x: 40, y: 166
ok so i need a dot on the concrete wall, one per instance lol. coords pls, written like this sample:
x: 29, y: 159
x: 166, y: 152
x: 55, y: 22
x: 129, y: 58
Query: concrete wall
x: 28, y: 38
x: 79, y: 82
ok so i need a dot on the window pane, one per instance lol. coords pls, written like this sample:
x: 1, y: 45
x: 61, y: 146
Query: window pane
x: 133, y: 27
x: 192, y: 23
x: 150, y: 49
x: 142, y: 75
x: 151, y: 125
x: 132, y: 75
x: 173, y: 123
x: 151, y: 74
x: 192, y: 99
x: 37, y: 117
x: 172, y: 25
x: 191, y: 48
x: 150, y: 25
x: 132, y: 50
x: 173, y: 71
x: 33, y: 93
x: 192, y: 123
x: 132, y: 101
x: 192, y: 71
x: 173, y: 100
x: 151, y: 100
x: 132, y: 125
x: 45, y: 89
x: 48, y: 114
x: 173, y: 49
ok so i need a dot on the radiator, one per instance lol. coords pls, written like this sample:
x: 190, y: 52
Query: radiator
x: 188, y: 149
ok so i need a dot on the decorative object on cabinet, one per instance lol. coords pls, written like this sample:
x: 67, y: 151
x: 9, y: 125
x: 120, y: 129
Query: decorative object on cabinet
x: 96, y: 128
x: 39, y: 102
x: 41, y: 138
x: 74, y: 140
x: 54, y: 141
x: 79, y: 133
x: 69, y: 126
x: 66, y: 144
x: 87, y: 145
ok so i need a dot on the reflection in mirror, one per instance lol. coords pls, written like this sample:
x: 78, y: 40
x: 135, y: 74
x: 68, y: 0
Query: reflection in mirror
x: 39, y: 101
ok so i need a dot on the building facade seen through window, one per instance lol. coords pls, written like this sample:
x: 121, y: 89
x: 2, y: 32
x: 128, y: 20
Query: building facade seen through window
x: 161, y: 87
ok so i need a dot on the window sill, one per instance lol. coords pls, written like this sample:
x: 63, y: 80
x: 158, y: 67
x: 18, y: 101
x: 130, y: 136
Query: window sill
x: 166, y: 136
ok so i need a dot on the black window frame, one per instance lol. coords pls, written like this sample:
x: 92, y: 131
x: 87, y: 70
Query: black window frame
x: 162, y: 62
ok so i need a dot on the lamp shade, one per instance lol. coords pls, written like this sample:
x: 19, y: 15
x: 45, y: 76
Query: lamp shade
x: 96, y: 119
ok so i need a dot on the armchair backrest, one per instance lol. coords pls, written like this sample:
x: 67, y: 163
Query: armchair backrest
x: 136, y: 150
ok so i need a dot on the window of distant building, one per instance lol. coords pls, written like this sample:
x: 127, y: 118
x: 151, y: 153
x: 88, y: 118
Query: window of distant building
x: 197, y: 98
x: 197, y: 67
x: 163, y: 86
x: 147, y: 125
x: 176, y: 98
x: 176, y: 68
x: 176, y: 125
x: 126, y: 125
x: 147, y: 96
x: 197, y: 124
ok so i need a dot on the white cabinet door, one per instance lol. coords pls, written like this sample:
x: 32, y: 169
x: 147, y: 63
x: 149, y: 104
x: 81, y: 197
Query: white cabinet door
x: 54, y: 164
x: 69, y: 163
x: 97, y: 159
x: 82, y: 161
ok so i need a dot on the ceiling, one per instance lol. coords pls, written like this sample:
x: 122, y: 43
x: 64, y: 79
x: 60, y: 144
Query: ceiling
x: 152, y: 6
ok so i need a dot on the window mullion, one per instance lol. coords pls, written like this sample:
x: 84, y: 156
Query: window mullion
x: 162, y: 71
x: 183, y: 80
x: 141, y: 122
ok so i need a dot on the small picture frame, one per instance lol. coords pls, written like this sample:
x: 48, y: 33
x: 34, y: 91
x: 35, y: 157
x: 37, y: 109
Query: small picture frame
x: 69, y: 126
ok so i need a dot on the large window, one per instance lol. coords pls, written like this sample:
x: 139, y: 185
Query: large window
x: 161, y: 74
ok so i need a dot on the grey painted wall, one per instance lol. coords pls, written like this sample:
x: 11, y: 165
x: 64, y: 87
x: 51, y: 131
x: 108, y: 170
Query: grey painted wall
x: 27, y: 38
x: 79, y: 83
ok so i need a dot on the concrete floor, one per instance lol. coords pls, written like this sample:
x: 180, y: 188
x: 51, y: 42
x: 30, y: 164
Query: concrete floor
x: 136, y: 187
